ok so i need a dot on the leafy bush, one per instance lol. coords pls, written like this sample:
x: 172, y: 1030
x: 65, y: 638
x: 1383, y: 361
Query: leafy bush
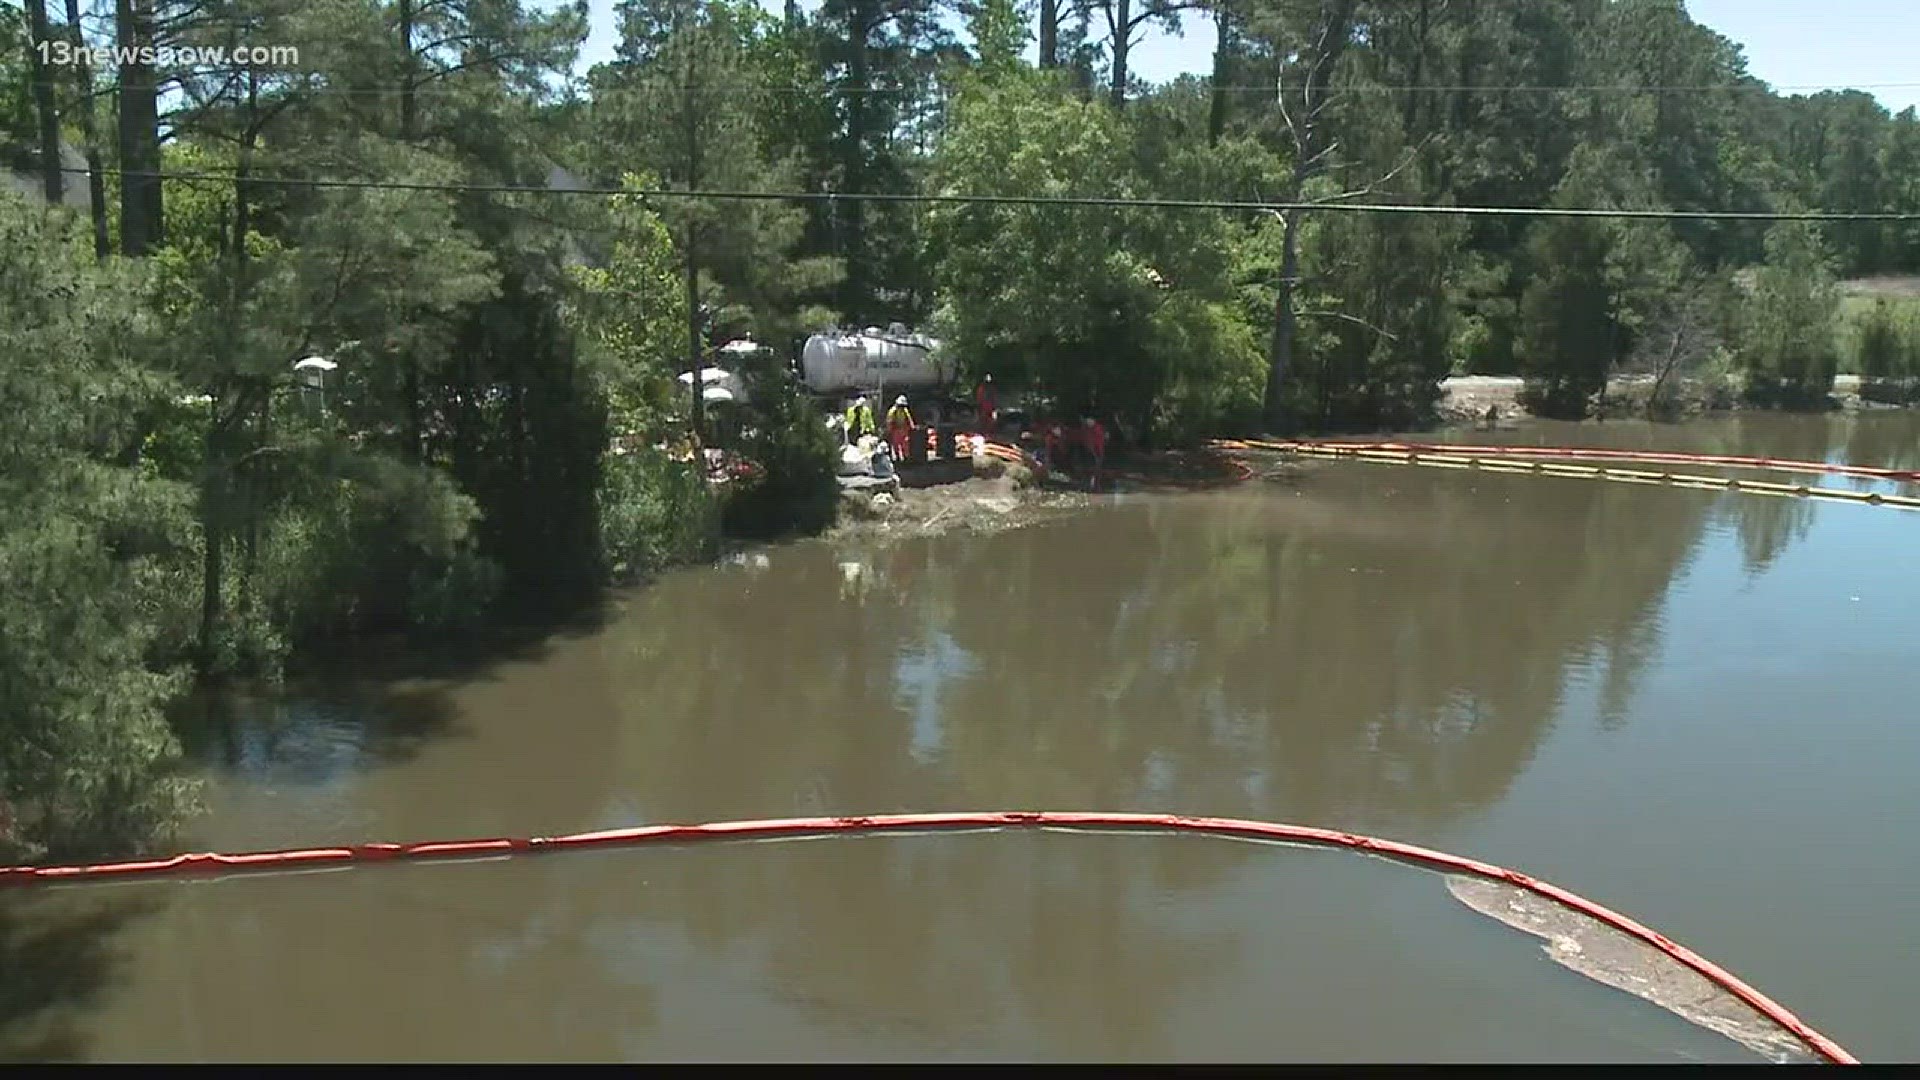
x: 654, y: 512
x: 1878, y: 351
x: 1785, y: 328
x: 1216, y: 384
x: 798, y: 491
x: 384, y: 545
x: 452, y: 594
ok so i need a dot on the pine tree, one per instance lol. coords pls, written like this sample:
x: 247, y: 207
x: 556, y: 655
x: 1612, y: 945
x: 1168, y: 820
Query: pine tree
x: 90, y: 551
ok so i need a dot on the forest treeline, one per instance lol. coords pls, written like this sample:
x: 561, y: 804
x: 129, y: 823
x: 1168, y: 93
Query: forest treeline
x: 501, y: 432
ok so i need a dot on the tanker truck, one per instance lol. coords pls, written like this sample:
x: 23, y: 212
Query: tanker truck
x: 840, y: 362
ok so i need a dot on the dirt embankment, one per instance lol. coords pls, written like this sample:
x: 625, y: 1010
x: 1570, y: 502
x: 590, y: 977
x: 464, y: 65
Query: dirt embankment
x: 990, y: 495
x: 977, y: 504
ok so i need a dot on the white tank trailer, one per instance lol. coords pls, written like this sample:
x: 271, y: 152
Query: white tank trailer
x: 841, y: 361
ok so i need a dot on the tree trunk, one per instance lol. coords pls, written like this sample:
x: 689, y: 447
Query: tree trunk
x: 1309, y: 138
x: 220, y: 482
x: 409, y: 121
x: 1666, y: 369
x: 1285, y: 321
x: 53, y: 182
x: 1417, y: 104
x: 139, y: 122
x: 407, y: 65
x: 857, y: 288
x: 1122, y: 33
x: 1222, y: 49
x: 689, y: 112
x: 212, y: 511
x: 1049, y: 33
x: 416, y: 408
x: 96, y: 181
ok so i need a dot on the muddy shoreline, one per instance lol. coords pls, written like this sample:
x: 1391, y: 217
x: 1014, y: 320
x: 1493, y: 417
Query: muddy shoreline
x: 986, y: 495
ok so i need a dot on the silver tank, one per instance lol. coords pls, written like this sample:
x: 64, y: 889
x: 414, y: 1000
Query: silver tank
x: 839, y: 360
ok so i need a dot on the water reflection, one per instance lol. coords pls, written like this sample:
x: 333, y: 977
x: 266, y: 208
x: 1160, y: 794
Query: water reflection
x: 1014, y: 945
x: 57, y: 958
x: 1766, y: 527
x: 1383, y: 648
x: 1378, y: 645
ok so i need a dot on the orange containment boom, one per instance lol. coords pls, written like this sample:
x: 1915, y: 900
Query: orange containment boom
x: 775, y: 828
x: 1590, y: 453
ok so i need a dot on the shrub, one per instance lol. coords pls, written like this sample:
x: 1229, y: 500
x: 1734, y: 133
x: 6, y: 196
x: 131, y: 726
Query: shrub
x: 654, y: 512
x: 798, y: 491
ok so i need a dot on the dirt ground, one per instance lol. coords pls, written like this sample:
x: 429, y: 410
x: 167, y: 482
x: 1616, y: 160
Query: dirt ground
x: 977, y: 504
x: 991, y: 496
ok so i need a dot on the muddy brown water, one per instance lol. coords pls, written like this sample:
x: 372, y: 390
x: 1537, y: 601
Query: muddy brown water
x: 1696, y: 707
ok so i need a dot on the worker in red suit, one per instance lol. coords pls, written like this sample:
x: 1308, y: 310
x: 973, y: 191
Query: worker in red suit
x: 988, y: 404
x: 1094, y: 437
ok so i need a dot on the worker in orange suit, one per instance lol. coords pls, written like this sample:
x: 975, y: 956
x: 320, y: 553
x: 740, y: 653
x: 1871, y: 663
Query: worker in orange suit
x: 988, y: 403
x: 899, y: 427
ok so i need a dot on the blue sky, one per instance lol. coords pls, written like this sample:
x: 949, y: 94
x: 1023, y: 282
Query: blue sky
x: 1792, y: 44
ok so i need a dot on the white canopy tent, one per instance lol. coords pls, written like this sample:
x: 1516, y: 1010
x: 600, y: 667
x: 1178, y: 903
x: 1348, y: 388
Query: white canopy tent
x: 717, y: 384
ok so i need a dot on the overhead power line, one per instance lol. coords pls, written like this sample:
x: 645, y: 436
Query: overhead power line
x: 1026, y: 200
x: 723, y: 88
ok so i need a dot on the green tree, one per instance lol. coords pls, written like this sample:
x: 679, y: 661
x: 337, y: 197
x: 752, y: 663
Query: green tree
x: 881, y: 57
x: 1900, y: 163
x: 796, y: 491
x: 1785, y: 337
x: 1124, y: 20
x: 630, y: 315
x: 89, y: 550
x: 674, y: 107
x: 1593, y: 284
x: 999, y: 32
x: 1081, y: 303
x: 1378, y: 295
x: 1879, y: 348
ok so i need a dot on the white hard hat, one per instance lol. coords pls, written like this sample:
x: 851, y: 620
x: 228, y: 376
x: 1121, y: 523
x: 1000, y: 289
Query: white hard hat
x: 861, y: 400
x: 901, y: 400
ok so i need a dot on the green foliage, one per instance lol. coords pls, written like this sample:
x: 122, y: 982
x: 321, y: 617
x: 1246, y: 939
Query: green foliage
x: 999, y: 32
x: 1216, y: 388
x: 373, y: 548
x: 17, y: 132
x: 1380, y: 322
x: 1568, y: 337
x: 797, y: 492
x: 86, y: 757
x: 670, y: 108
x: 1785, y: 329
x: 1594, y: 284
x: 654, y: 512
x: 630, y: 314
x: 1879, y: 348
x: 1082, y: 303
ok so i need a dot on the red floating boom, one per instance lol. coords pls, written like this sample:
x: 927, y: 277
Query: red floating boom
x: 790, y: 827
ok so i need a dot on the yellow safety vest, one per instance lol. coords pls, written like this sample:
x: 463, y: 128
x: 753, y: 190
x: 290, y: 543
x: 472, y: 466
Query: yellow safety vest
x: 859, y: 420
x: 898, y: 416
